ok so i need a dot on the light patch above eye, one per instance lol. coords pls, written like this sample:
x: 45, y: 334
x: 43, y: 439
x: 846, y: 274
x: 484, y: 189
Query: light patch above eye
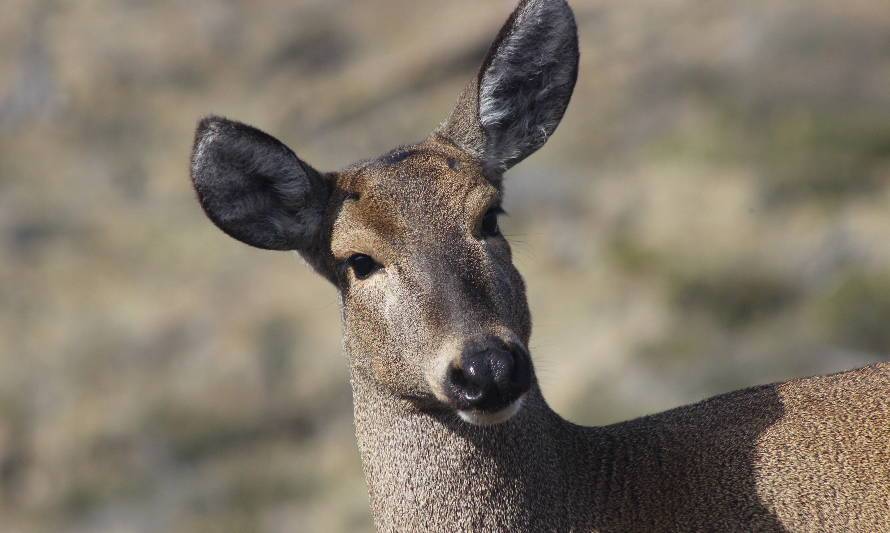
x: 352, y: 235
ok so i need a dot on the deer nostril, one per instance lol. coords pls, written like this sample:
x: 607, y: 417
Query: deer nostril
x: 473, y: 394
x: 457, y: 377
x: 471, y: 383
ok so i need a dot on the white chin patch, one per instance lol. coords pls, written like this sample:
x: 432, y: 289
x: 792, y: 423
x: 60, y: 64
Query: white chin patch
x: 479, y: 418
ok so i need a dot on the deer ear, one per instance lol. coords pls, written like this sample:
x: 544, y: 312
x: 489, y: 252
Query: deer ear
x: 255, y: 188
x: 523, y: 87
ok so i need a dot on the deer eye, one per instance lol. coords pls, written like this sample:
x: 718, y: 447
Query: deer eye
x: 489, y: 227
x: 362, y: 265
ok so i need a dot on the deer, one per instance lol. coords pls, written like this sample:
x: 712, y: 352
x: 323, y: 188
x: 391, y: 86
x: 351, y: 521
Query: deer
x: 451, y: 425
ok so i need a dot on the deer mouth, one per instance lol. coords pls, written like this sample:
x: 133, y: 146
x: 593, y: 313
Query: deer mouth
x: 479, y: 417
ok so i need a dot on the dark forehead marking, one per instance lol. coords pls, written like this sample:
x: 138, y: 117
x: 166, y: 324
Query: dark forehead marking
x: 407, y: 160
x: 397, y: 156
x: 402, y: 153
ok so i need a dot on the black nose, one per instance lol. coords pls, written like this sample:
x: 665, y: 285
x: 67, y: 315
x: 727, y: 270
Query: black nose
x: 491, y: 375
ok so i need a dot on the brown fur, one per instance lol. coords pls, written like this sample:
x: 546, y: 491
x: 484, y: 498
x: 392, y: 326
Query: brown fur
x: 418, y: 218
x: 807, y: 455
x: 810, y: 455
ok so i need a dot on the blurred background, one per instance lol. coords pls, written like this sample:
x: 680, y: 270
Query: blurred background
x: 713, y: 213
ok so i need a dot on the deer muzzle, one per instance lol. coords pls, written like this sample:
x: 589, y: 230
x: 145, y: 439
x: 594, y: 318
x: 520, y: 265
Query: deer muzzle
x: 488, y: 381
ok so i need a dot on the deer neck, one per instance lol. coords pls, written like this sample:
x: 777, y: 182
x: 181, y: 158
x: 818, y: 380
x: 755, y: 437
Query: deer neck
x: 430, y: 471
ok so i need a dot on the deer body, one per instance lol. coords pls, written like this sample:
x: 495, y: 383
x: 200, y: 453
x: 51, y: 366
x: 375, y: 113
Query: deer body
x: 452, y: 428
x: 807, y: 455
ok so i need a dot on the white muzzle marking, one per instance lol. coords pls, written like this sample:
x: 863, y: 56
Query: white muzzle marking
x: 479, y: 418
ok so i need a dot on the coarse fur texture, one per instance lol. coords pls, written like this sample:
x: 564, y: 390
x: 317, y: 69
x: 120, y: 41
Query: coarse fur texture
x: 809, y: 455
x: 428, y: 290
x: 254, y: 188
x: 523, y: 88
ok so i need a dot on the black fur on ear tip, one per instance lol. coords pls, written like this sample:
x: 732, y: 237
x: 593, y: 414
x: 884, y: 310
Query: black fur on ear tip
x: 207, y: 123
x: 204, y: 128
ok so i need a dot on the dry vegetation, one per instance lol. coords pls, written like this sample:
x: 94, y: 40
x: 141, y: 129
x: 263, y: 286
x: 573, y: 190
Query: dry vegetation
x: 713, y: 213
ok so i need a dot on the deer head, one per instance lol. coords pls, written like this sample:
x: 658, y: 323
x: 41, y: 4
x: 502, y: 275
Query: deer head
x: 434, y: 311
